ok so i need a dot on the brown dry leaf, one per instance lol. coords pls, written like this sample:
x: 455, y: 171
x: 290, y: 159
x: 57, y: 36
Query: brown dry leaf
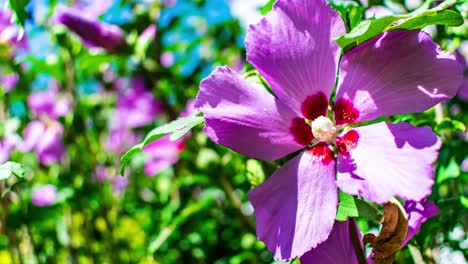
x: 391, y: 237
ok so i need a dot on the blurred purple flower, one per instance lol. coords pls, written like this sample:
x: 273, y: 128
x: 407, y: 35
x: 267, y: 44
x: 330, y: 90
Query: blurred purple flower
x: 7, y: 144
x: 149, y: 34
x: 45, y: 140
x: 93, y: 32
x: 464, y: 165
x: 119, y: 184
x: 9, y: 81
x: 120, y: 140
x: 136, y: 107
x: 44, y: 195
x: 167, y: 59
x: 162, y: 154
x: 46, y: 103
x: 100, y: 173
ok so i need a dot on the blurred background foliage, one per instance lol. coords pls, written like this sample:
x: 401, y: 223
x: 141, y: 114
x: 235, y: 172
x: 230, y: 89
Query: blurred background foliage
x: 69, y: 110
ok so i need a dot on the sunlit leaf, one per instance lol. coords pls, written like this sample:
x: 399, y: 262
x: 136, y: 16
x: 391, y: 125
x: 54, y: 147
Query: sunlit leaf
x: 177, y: 128
x: 350, y: 206
x: 9, y: 169
x: 418, y: 19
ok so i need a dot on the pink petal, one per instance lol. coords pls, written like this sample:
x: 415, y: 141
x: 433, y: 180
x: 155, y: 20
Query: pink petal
x: 338, y: 248
x: 162, y: 153
x: 295, y: 208
x: 418, y: 213
x: 32, y: 134
x: 293, y: 48
x: 381, y: 161
x: 245, y: 117
x: 398, y: 72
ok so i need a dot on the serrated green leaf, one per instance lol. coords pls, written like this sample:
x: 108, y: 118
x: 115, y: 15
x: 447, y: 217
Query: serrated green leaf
x: 177, y: 128
x: 416, y: 20
x: 365, y: 31
x: 445, y: 18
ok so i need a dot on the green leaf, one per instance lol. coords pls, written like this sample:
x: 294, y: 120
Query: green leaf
x: 445, y: 18
x: 450, y: 124
x: 451, y: 171
x: 418, y: 19
x: 19, y: 11
x: 464, y: 201
x: 9, y: 188
x: 368, y: 211
x: 63, y: 195
x: 9, y: 169
x: 346, y: 207
x: 267, y: 7
x: 350, y: 206
x: 365, y: 31
x: 206, y: 201
x: 177, y: 128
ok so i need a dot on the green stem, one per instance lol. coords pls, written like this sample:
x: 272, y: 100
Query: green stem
x: 356, y: 240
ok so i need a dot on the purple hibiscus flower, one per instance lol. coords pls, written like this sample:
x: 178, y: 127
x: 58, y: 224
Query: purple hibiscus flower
x: 340, y: 239
x: 93, y: 32
x: 44, y: 195
x: 397, y: 72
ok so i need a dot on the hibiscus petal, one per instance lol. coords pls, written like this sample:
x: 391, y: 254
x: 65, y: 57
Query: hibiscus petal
x: 338, y: 248
x: 295, y: 208
x: 294, y: 50
x: 381, y: 161
x: 397, y: 72
x: 418, y: 213
x: 245, y: 117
